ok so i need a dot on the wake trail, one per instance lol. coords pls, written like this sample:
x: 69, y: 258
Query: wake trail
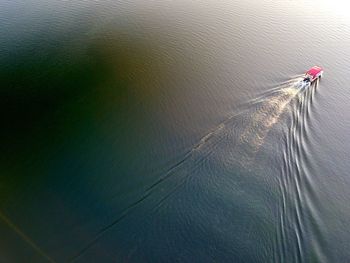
x: 150, y: 190
x: 246, y: 129
x: 296, y: 187
x: 290, y: 190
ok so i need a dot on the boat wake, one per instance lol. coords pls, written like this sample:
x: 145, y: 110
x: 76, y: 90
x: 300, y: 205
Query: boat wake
x: 294, y: 242
x: 232, y: 145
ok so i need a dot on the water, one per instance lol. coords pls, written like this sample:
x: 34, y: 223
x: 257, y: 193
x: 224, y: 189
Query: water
x: 174, y: 132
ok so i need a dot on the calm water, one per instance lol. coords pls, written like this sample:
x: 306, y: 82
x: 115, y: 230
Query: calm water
x: 174, y: 131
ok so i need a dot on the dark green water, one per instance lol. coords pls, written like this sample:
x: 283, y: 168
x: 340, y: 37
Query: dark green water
x: 174, y: 132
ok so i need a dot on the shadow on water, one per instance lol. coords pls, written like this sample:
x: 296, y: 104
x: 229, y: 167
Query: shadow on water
x: 45, y: 101
x: 234, y: 145
x: 74, y: 107
x: 56, y: 96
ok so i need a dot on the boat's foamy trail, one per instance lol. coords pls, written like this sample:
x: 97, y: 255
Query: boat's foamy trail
x: 234, y: 142
x: 265, y: 117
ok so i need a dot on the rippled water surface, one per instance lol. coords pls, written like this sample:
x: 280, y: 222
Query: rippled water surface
x: 174, y: 131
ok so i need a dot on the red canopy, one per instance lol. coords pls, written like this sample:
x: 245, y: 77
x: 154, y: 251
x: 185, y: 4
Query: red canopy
x: 314, y: 71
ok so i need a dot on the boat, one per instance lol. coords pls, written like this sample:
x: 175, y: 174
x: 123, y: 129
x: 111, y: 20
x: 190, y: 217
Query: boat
x: 313, y: 73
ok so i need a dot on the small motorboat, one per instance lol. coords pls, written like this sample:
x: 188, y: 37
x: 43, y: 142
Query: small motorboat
x: 313, y: 73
